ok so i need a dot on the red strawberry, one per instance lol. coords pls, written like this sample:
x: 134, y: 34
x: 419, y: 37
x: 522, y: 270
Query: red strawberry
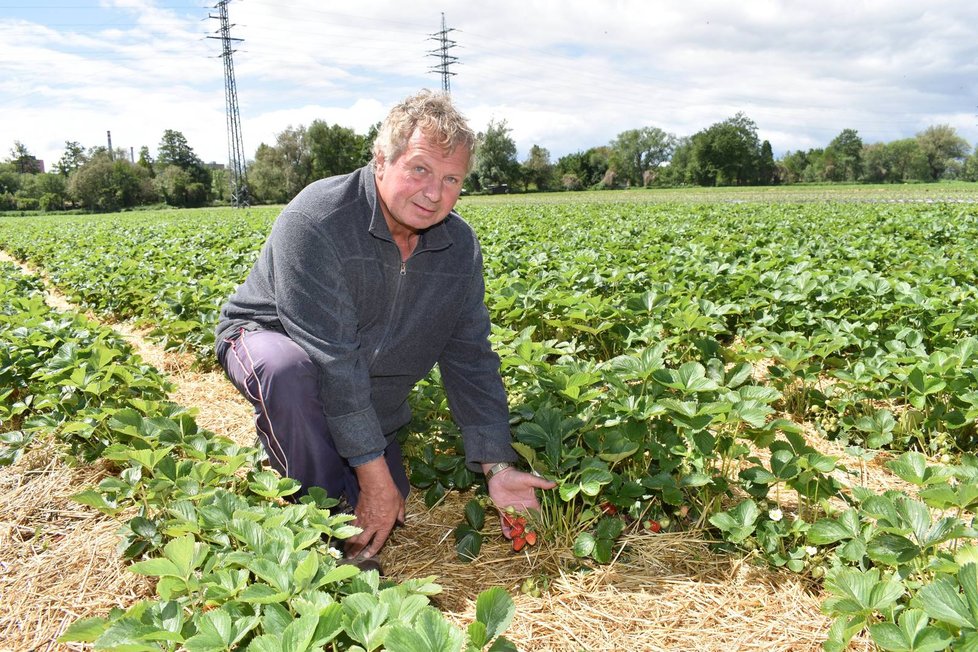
x: 518, y: 543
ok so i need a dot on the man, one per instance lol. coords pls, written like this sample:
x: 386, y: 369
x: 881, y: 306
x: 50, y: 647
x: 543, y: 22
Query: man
x: 368, y: 280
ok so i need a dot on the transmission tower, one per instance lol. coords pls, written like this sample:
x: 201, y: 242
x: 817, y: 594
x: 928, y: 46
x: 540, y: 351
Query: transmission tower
x: 445, y: 60
x: 236, y: 159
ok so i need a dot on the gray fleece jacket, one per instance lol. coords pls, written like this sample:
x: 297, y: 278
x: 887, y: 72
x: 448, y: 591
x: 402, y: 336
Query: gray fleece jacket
x: 331, y: 278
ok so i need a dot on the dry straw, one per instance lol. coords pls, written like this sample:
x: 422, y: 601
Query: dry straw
x: 58, y: 559
x: 663, y: 592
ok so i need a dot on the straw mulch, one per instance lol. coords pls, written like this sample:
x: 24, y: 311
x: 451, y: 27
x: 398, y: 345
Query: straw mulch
x: 663, y: 592
x: 58, y: 559
x: 58, y: 563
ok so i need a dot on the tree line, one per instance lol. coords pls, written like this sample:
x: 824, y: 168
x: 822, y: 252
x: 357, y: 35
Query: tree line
x: 729, y: 153
x: 726, y: 153
x: 98, y: 180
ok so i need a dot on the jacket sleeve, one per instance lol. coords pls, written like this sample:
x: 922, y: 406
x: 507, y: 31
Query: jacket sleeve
x: 317, y: 311
x: 470, y: 372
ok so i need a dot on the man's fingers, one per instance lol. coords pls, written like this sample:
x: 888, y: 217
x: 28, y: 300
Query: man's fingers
x: 355, y: 545
x: 369, y: 542
x: 379, y: 539
x: 541, y: 483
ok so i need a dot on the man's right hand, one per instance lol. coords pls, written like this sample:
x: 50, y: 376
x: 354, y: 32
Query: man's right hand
x: 379, y: 508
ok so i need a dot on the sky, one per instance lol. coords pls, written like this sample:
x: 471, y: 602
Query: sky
x: 566, y: 75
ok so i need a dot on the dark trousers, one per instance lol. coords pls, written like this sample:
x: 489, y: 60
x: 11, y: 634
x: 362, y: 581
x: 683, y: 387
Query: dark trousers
x: 282, y: 383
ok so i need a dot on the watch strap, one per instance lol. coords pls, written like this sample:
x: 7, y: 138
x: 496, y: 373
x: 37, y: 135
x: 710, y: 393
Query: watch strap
x: 496, y: 469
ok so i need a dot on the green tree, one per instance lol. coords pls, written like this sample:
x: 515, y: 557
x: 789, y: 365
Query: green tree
x: 102, y: 184
x: 47, y: 190
x: 220, y: 184
x: 332, y: 149
x: 146, y: 161
x: 367, y: 144
x: 266, y: 176
x: 570, y: 170
x: 91, y: 185
x: 638, y: 152
x: 496, y: 164
x: 537, y: 169
x: 10, y: 178
x: 791, y: 167
x: 726, y: 153
x: 27, y: 198
x: 908, y: 161
x: 970, y: 171
x: 843, y: 157
x: 814, y: 172
x: 174, y: 150
x: 941, y: 145
x: 178, y: 188
x: 23, y: 160
x: 876, y: 164
x: 584, y: 169
x: 71, y: 159
x: 294, y: 152
x: 766, y: 169
x: 675, y: 174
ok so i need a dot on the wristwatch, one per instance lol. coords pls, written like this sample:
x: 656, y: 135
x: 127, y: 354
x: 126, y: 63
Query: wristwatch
x: 497, y: 468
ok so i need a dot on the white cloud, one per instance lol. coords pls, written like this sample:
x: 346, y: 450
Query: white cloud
x: 566, y: 75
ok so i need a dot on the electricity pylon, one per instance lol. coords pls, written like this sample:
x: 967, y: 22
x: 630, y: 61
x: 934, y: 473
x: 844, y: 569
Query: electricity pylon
x: 441, y: 52
x: 236, y: 159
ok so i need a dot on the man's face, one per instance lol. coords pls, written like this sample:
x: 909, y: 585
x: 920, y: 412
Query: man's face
x: 420, y: 187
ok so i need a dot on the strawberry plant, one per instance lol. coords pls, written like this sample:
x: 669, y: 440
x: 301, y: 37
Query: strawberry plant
x: 657, y: 369
x: 235, y: 566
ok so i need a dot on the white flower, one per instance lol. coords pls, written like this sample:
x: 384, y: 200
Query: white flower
x: 811, y: 550
x: 775, y: 514
x: 334, y: 553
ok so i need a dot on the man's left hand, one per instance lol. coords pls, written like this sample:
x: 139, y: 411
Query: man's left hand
x: 516, y: 489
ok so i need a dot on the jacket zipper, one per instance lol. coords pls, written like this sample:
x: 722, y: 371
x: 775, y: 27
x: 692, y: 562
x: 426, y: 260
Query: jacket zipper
x: 390, y: 315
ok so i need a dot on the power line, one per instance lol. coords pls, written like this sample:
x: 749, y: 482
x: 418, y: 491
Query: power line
x: 236, y: 159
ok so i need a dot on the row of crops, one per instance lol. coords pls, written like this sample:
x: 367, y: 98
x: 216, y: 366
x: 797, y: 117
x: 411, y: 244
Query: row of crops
x: 235, y: 566
x: 674, y: 366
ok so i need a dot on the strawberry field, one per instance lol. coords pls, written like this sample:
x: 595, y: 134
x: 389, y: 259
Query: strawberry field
x: 726, y: 368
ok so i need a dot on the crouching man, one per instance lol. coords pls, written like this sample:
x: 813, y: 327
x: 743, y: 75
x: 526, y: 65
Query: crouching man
x: 366, y: 281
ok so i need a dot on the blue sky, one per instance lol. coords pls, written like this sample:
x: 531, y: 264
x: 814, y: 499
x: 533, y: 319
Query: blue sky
x: 566, y: 75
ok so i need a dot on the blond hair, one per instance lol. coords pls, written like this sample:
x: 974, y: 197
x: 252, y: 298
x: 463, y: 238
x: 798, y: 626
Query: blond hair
x: 434, y: 115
